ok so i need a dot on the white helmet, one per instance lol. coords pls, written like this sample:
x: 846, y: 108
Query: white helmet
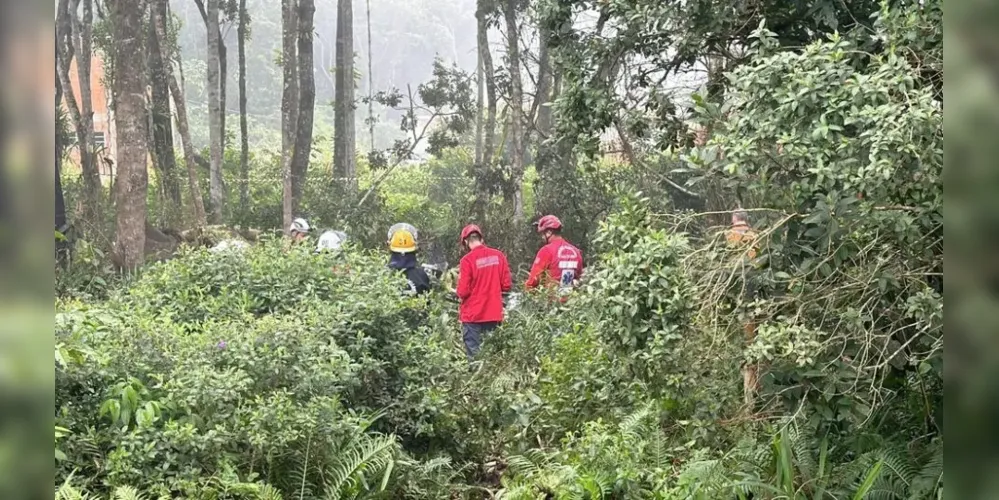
x: 331, y: 240
x: 300, y: 225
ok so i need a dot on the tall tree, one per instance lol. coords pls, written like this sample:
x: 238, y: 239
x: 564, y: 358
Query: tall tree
x: 160, y: 16
x: 371, y: 84
x: 74, y: 37
x: 289, y: 101
x: 130, y: 122
x: 215, y: 189
x: 479, y: 105
x: 483, y: 11
x: 244, y: 145
x: 516, y: 109
x: 306, y: 100
x: 344, y: 163
x: 162, y: 130
x: 60, y: 144
x: 224, y: 6
x: 542, y: 108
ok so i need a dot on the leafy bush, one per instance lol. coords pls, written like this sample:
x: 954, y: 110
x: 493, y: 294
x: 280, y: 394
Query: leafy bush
x: 262, y: 365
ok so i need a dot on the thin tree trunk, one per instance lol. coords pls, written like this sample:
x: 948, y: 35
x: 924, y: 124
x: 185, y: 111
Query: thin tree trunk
x: 516, y: 110
x: 190, y: 156
x: 244, y: 145
x: 344, y: 164
x: 223, y: 62
x: 479, y: 104
x: 75, y: 42
x: 371, y: 85
x: 289, y: 102
x: 162, y: 130
x: 60, y: 199
x: 161, y: 196
x: 130, y: 86
x: 223, y: 79
x: 215, y: 192
x: 489, y: 127
x: 306, y: 101
x: 543, y: 103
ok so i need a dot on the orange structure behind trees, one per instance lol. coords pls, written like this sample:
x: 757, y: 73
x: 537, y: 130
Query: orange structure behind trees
x: 104, y: 130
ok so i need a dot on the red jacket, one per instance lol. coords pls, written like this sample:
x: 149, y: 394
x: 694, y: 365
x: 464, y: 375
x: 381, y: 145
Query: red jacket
x: 562, y: 261
x: 483, y: 276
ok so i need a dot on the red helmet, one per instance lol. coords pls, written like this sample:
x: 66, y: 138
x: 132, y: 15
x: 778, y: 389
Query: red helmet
x: 468, y: 230
x: 548, y: 222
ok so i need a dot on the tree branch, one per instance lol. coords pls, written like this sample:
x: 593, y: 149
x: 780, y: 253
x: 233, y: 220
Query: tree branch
x: 629, y: 151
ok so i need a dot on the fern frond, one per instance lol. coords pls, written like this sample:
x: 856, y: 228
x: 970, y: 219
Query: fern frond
x: 897, y: 469
x: 803, y: 446
x: 268, y: 492
x: 530, y: 464
x: 127, y: 493
x: 435, y: 464
x: 929, y: 479
x: 68, y: 492
x: 516, y: 490
x: 634, y: 426
x: 372, y: 454
x: 596, y: 486
x: 296, y: 477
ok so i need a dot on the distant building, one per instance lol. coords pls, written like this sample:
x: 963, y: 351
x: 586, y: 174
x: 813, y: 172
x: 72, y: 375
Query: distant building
x: 104, y: 130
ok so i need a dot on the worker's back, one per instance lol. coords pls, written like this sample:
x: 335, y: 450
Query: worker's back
x: 741, y: 234
x: 484, y: 275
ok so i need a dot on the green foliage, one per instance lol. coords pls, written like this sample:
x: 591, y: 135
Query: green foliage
x: 87, y: 274
x: 854, y: 141
x: 184, y: 387
x: 275, y: 372
x: 650, y: 43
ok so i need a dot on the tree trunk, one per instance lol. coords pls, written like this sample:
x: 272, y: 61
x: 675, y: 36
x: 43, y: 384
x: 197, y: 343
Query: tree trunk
x: 544, y: 97
x: 289, y: 102
x: 479, y: 105
x: 75, y: 42
x: 516, y: 110
x: 162, y: 130
x: 306, y: 98
x: 215, y: 192
x: 60, y: 199
x: 543, y: 103
x: 371, y: 86
x: 489, y: 127
x: 130, y: 117
x: 244, y: 145
x: 190, y: 156
x: 223, y: 78
x: 223, y: 62
x: 344, y: 163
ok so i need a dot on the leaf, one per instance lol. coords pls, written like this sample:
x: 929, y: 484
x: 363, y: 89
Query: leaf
x: 868, y: 483
x: 387, y: 475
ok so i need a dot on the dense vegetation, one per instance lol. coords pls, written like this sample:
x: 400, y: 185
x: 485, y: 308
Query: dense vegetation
x: 275, y: 372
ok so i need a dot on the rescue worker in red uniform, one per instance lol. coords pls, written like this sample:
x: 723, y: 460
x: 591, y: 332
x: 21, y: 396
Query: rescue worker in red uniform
x: 558, y: 264
x: 483, y: 277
